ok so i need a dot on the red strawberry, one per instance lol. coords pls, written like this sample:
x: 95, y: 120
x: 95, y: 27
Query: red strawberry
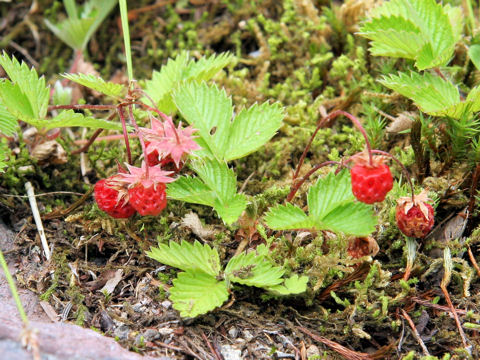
x: 146, y: 187
x: 109, y: 200
x: 370, y: 182
x: 415, y: 217
x: 148, y: 201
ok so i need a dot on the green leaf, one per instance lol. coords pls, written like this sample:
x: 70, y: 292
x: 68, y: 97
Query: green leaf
x: 8, y: 122
x: 218, y: 177
x: 352, y: 218
x: 69, y: 118
x: 328, y: 193
x: 332, y: 207
x: 209, y: 110
x: 98, y: 84
x: 191, y: 190
x: 73, y: 32
x: 187, y: 257
x: 474, y: 54
x: 288, y: 217
x: 422, y: 30
x: 77, y: 31
x: 293, y: 285
x: 182, y: 70
x: 231, y: 209
x: 430, y: 93
x: 196, y: 293
x: 253, y: 270
x: 17, y: 102
x: 4, y: 152
x: 28, y: 85
x: 252, y: 128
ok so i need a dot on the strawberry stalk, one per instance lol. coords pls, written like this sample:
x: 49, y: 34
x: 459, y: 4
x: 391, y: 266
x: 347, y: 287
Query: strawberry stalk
x: 300, y: 182
x: 125, y: 133
x: 321, y: 123
x: 140, y: 135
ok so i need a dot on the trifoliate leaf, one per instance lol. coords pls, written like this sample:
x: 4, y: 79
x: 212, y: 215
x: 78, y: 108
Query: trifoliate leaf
x: 216, y: 186
x: 96, y: 83
x: 196, y: 293
x: 288, y: 217
x: 8, y: 122
x: 182, y: 70
x: 24, y: 82
x: 293, y: 285
x: 253, y: 270
x: 188, y: 257
x: 76, y: 31
x: 251, y: 129
x: 422, y: 30
x: 191, y: 190
x: 72, y: 32
x: 430, y: 93
x: 209, y: 110
x: 332, y: 207
x: 69, y: 118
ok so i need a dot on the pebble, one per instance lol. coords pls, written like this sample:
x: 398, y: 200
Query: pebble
x: 247, y: 335
x: 233, y: 332
x: 121, y: 332
x: 151, y: 335
x: 230, y: 353
x: 312, y: 350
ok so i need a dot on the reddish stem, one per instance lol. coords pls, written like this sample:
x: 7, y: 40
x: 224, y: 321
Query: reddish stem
x: 404, y: 169
x: 140, y: 137
x: 81, y: 107
x: 321, y: 123
x: 90, y: 141
x: 300, y: 182
x: 125, y: 133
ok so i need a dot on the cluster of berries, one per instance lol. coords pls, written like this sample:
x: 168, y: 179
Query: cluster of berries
x: 372, y: 180
x: 142, y: 189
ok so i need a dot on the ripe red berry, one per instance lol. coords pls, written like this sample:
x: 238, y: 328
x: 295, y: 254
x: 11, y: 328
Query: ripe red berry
x: 108, y: 200
x: 370, y: 184
x: 148, y: 201
x: 415, y: 218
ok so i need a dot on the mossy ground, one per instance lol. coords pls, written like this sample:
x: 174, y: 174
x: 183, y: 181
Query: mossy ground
x: 305, y: 55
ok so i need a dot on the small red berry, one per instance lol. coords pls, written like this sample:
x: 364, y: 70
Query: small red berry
x: 371, y: 182
x: 415, y: 218
x: 148, y: 201
x: 108, y: 200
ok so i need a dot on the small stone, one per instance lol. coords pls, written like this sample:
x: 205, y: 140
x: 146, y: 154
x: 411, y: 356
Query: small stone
x: 138, y: 307
x: 247, y: 335
x: 151, y: 335
x: 312, y: 350
x: 165, y: 331
x: 166, y: 304
x: 121, y: 332
x: 233, y: 332
x: 230, y: 353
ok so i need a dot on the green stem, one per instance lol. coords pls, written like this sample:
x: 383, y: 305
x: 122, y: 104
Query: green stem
x: 126, y: 38
x: 13, y: 289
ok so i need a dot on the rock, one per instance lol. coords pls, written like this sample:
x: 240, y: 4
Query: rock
x: 121, y: 332
x: 247, y: 335
x: 233, y: 332
x: 312, y: 350
x: 151, y: 335
x: 230, y: 353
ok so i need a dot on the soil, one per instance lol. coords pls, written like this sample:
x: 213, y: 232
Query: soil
x: 99, y: 280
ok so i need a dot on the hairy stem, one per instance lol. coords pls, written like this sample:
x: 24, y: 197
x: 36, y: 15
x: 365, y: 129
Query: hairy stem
x: 126, y: 38
x: 321, y: 123
x: 300, y: 182
x: 81, y: 107
x: 140, y: 137
x: 125, y: 133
